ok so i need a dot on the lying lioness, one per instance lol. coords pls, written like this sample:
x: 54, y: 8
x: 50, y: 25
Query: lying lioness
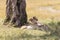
x: 34, y: 24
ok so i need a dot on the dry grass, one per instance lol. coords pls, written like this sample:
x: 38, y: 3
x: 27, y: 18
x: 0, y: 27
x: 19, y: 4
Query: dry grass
x: 33, y: 8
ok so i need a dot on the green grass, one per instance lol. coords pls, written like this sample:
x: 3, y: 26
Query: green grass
x: 11, y: 33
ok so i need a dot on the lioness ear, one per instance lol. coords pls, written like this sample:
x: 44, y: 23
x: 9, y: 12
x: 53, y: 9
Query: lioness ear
x: 35, y: 18
x: 30, y: 19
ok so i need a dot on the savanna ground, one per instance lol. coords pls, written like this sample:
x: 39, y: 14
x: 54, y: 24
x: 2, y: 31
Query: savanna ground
x: 47, y: 12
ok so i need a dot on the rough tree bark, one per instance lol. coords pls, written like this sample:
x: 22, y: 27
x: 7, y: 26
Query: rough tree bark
x: 16, y: 12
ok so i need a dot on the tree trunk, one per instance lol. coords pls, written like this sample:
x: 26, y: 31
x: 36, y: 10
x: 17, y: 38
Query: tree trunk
x: 16, y: 12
